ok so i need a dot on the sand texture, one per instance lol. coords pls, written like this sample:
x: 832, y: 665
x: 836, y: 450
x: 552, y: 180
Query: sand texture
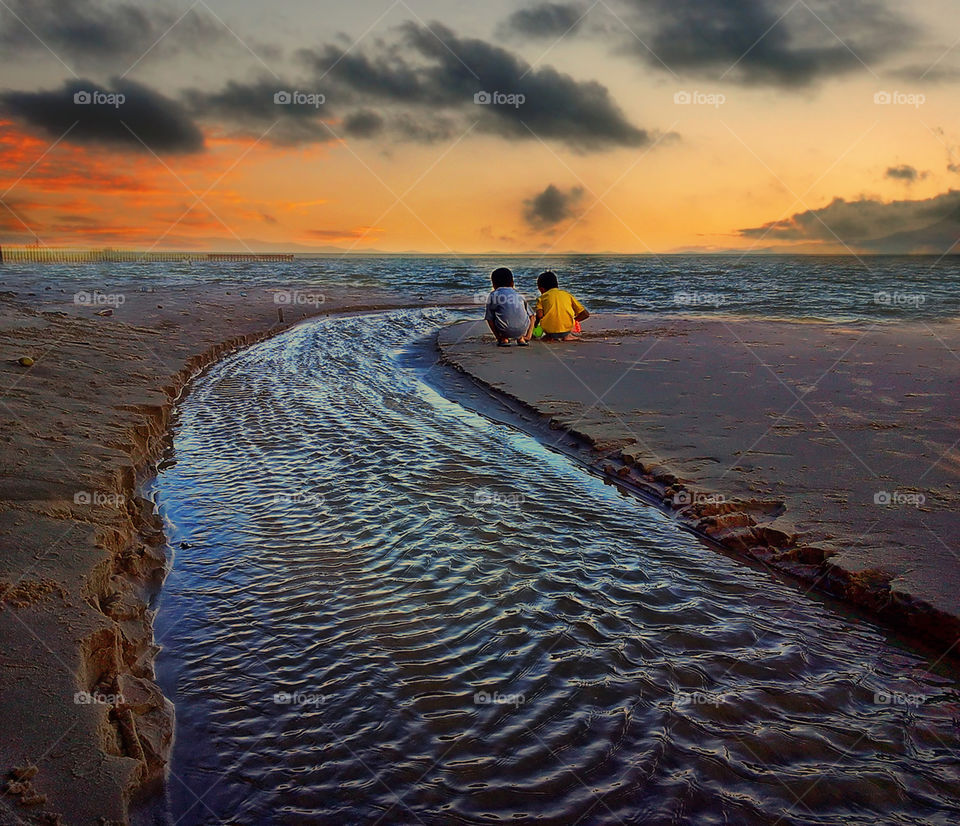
x: 825, y: 450
x: 85, y: 730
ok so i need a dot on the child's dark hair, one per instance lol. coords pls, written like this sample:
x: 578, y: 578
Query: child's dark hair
x: 547, y: 280
x: 501, y: 277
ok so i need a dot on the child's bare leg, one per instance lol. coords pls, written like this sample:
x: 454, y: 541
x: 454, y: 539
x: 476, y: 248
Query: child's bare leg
x: 527, y: 336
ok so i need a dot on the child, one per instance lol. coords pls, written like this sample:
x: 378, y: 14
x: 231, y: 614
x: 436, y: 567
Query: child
x: 507, y: 314
x: 558, y: 312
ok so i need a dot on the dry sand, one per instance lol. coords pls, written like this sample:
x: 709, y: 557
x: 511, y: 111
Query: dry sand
x: 84, y: 727
x: 712, y: 402
x: 829, y: 451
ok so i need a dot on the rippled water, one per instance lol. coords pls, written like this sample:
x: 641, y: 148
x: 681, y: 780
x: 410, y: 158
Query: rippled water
x: 387, y: 609
x: 794, y: 286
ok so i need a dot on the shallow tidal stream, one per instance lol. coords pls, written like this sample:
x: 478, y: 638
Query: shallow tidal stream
x: 385, y: 608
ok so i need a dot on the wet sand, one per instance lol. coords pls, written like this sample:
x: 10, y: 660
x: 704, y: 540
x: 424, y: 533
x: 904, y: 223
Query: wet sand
x: 825, y: 450
x: 85, y: 728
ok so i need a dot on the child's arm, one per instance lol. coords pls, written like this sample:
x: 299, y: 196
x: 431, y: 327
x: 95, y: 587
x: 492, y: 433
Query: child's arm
x: 580, y: 312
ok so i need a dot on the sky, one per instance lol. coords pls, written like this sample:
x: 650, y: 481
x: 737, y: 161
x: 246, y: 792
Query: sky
x: 625, y: 126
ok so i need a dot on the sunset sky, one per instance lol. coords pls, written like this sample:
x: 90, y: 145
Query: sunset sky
x: 622, y: 125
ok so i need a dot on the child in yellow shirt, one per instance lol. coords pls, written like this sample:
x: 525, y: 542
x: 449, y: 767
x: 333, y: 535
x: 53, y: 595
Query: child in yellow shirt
x: 557, y: 310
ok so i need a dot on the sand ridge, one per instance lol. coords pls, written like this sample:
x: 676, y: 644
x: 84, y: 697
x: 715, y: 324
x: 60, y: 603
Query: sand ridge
x: 86, y: 731
x: 825, y: 450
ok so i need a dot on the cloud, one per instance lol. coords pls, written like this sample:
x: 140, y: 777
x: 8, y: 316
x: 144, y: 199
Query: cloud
x: 904, y: 172
x: 896, y: 226
x: 772, y: 42
x: 551, y: 207
x: 91, y: 31
x: 544, y: 20
x: 363, y: 123
x: 143, y: 118
x: 254, y: 107
x: 778, y: 43
x: 429, y: 73
x: 924, y: 73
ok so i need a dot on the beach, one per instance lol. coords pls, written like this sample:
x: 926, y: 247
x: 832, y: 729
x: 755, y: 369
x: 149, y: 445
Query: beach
x: 86, y: 730
x: 825, y: 450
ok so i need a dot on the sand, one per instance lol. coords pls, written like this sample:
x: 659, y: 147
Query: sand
x: 825, y: 450
x: 85, y: 730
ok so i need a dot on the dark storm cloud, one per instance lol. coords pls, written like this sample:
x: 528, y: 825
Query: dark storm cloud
x: 84, y: 112
x: 546, y: 20
x: 867, y: 221
x: 551, y: 207
x: 903, y: 172
x: 771, y: 42
x: 451, y: 70
x: 95, y: 31
x: 280, y: 112
x: 363, y: 123
x: 753, y: 42
x: 422, y: 85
